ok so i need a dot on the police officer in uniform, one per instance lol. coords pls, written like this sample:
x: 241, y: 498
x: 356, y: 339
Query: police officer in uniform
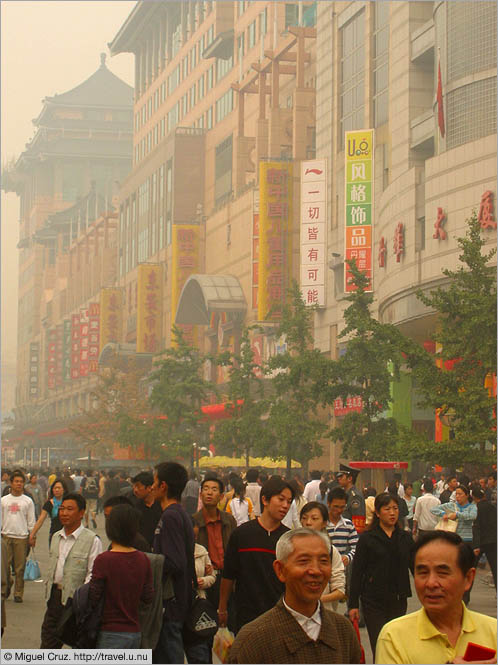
x: 355, y: 508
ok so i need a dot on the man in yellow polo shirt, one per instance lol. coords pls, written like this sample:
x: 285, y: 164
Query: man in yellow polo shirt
x: 441, y: 630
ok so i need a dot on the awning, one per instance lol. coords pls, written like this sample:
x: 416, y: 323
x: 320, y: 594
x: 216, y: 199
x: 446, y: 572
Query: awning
x: 379, y: 465
x: 203, y: 295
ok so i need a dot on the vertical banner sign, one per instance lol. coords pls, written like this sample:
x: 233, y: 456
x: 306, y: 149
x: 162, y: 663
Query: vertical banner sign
x: 59, y: 355
x: 255, y: 248
x: 111, y: 313
x: 66, y: 350
x: 149, y: 308
x: 275, y: 237
x: 359, y: 204
x: 34, y: 363
x: 51, y: 358
x: 84, y: 329
x: 184, y: 262
x: 93, y: 336
x: 75, y: 346
x: 313, y: 231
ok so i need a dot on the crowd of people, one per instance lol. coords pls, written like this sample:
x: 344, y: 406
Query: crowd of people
x: 291, y: 568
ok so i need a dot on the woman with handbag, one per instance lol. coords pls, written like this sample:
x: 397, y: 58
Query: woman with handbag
x: 380, y: 569
x: 458, y: 516
x: 50, y: 509
x: 123, y: 575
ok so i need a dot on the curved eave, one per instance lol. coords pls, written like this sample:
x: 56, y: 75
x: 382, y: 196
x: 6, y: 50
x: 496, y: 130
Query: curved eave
x: 128, y: 34
x: 203, y: 295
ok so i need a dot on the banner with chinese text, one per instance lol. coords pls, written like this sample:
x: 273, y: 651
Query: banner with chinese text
x: 66, y: 350
x: 75, y: 346
x: 149, y: 308
x: 255, y: 248
x: 51, y: 358
x: 359, y: 170
x: 34, y: 363
x: 313, y: 231
x: 111, y: 314
x: 84, y: 330
x: 93, y: 336
x: 275, y: 237
x: 185, y: 245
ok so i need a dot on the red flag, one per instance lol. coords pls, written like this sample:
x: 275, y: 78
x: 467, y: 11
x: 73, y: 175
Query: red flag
x: 440, y: 107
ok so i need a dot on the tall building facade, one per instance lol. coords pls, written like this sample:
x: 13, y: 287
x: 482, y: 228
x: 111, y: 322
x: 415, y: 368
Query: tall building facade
x: 67, y: 181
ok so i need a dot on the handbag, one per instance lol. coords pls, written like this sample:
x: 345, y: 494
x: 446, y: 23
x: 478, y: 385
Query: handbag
x: 446, y: 525
x: 357, y: 631
x: 67, y: 626
x: 32, y: 569
x: 201, y: 622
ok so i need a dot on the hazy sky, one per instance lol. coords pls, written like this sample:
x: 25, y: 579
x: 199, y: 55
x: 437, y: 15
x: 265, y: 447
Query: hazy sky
x: 46, y: 48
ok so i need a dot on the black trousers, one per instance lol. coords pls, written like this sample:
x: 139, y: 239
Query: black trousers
x: 490, y: 552
x: 378, y: 611
x: 49, y: 640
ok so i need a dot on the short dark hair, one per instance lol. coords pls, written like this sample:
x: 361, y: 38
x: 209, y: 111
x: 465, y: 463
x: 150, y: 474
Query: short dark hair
x: 451, y: 477
x: 17, y: 473
x: 428, y: 486
x: 315, y: 475
x: 314, y: 504
x: 492, y: 475
x: 477, y: 493
x: 117, y: 500
x: 263, y: 477
x: 464, y: 489
x: 252, y: 475
x: 465, y: 558
x: 144, y: 477
x: 371, y: 491
x: 337, y: 493
x: 175, y: 476
x: 74, y: 496
x: 122, y: 525
x: 214, y: 479
x: 275, y: 485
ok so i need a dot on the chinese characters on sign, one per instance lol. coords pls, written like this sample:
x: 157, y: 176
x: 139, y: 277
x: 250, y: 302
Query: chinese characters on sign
x: 111, y: 313
x: 255, y: 248
x: 93, y: 336
x: 399, y: 242
x: 382, y: 253
x: 66, y: 350
x: 486, y: 214
x: 352, y: 404
x: 275, y: 237
x: 185, y: 262
x: 84, y: 339
x: 34, y: 362
x: 313, y: 231
x: 359, y: 204
x: 149, y: 311
x: 75, y: 346
x: 439, y: 232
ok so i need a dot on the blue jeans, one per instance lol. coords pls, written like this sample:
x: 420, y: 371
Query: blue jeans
x: 199, y: 653
x: 110, y: 640
x: 169, y: 648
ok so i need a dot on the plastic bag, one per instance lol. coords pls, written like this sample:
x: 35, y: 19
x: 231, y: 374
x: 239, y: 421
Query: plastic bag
x: 223, y: 641
x: 32, y: 569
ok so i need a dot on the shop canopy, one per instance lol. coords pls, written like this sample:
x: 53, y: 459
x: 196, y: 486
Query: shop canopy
x: 225, y: 461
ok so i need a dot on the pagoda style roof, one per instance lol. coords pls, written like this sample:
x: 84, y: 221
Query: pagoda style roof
x: 101, y: 89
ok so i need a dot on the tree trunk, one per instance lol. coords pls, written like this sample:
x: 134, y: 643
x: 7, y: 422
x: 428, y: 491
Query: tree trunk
x: 248, y: 450
x: 289, y: 462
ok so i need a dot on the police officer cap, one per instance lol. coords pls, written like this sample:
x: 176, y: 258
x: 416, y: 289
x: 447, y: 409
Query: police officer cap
x: 344, y: 468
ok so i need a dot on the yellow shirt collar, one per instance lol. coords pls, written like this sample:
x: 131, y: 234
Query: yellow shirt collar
x: 427, y: 630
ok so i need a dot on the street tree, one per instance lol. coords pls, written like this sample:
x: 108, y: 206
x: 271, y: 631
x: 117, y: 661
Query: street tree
x: 458, y: 379
x: 244, y: 431
x: 294, y: 426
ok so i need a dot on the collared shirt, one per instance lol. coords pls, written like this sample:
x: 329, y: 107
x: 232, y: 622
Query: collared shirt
x: 65, y: 545
x: 413, y: 638
x: 344, y: 536
x: 311, y: 625
x: 253, y: 491
x: 215, y: 539
x: 425, y: 519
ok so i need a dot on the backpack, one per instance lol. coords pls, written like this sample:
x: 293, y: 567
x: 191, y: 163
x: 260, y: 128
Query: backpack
x: 91, y: 489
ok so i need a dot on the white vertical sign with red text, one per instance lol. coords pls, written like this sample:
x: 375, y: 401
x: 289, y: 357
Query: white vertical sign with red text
x: 313, y: 231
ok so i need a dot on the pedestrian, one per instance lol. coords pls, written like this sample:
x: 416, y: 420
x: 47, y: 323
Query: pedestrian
x: 77, y: 478
x: 240, y: 506
x: 100, y: 500
x: 174, y: 539
x: 380, y: 569
x: 43, y: 483
x: 68, y: 480
x: 190, y: 495
x: 5, y: 480
x: 392, y: 489
x: 448, y: 493
x: 355, y: 506
x: 139, y: 542
x: 73, y: 551
x: 299, y: 629
x: 123, y: 575
x: 491, y: 488
x: 144, y: 500
x: 484, y: 530
x: 18, y: 520
x: 253, y: 490
x: 314, y: 516
x: 112, y: 485
x: 34, y: 490
x: 410, y: 501
x: 442, y: 629
x: 371, y: 493
x: 313, y: 486
x: 424, y: 520
x: 90, y: 489
x: 250, y: 554
x: 321, y: 497
x: 50, y: 509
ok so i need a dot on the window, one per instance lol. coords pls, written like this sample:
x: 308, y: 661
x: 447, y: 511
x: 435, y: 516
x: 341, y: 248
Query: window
x: 169, y: 199
x: 263, y: 22
x: 251, y: 35
x: 241, y: 43
x: 381, y: 63
x: 192, y: 96
x: 149, y: 141
x: 173, y: 118
x: 209, y: 36
x: 352, y: 89
x: 193, y: 58
x: 144, y: 114
x: 184, y: 105
x: 137, y: 122
x: 223, y: 67
x: 163, y: 92
x: 223, y: 169
x: 161, y: 183
x: 156, y: 100
x: 209, y: 80
x: 420, y: 234
x: 209, y: 118
x: 149, y: 107
x: 224, y: 105
x: 241, y: 7
x: 291, y: 14
x: 162, y: 127
x: 201, y: 87
x: 185, y: 67
x: 173, y: 79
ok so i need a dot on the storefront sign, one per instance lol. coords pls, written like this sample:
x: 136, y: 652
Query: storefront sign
x: 149, y: 308
x: 184, y: 262
x: 111, y: 315
x: 313, y: 231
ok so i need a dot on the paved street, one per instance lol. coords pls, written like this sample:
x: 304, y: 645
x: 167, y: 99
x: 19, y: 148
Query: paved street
x: 24, y: 621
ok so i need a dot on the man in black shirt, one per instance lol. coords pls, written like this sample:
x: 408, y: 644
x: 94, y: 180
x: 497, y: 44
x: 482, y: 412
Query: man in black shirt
x: 250, y: 555
x: 445, y: 496
x: 144, y: 501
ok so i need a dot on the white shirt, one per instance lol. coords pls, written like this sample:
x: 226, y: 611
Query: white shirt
x: 253, y: 490
x: 401, y: 491
x: 18, y: 516
x: 311, y: 490
x: 311, y: 625
x: 65, y: 545
x: 291, y: 520
x: 422, y: 515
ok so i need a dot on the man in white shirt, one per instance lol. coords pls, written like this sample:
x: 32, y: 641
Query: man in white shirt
x: 423, y: 520
x: 313, y: 486
x: 18, y: 519
x: 253, y: 490
x: 73, y: 545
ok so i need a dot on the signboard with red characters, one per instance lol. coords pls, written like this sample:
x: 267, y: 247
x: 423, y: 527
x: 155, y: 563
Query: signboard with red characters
x: 352, y: 404
x: 313, y: 231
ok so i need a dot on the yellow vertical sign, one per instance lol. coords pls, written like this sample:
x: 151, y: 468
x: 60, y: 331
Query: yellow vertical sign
x: 111, y: 316
x: 275, y: 237
x: 185, y: 243
x: 149, y: 308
